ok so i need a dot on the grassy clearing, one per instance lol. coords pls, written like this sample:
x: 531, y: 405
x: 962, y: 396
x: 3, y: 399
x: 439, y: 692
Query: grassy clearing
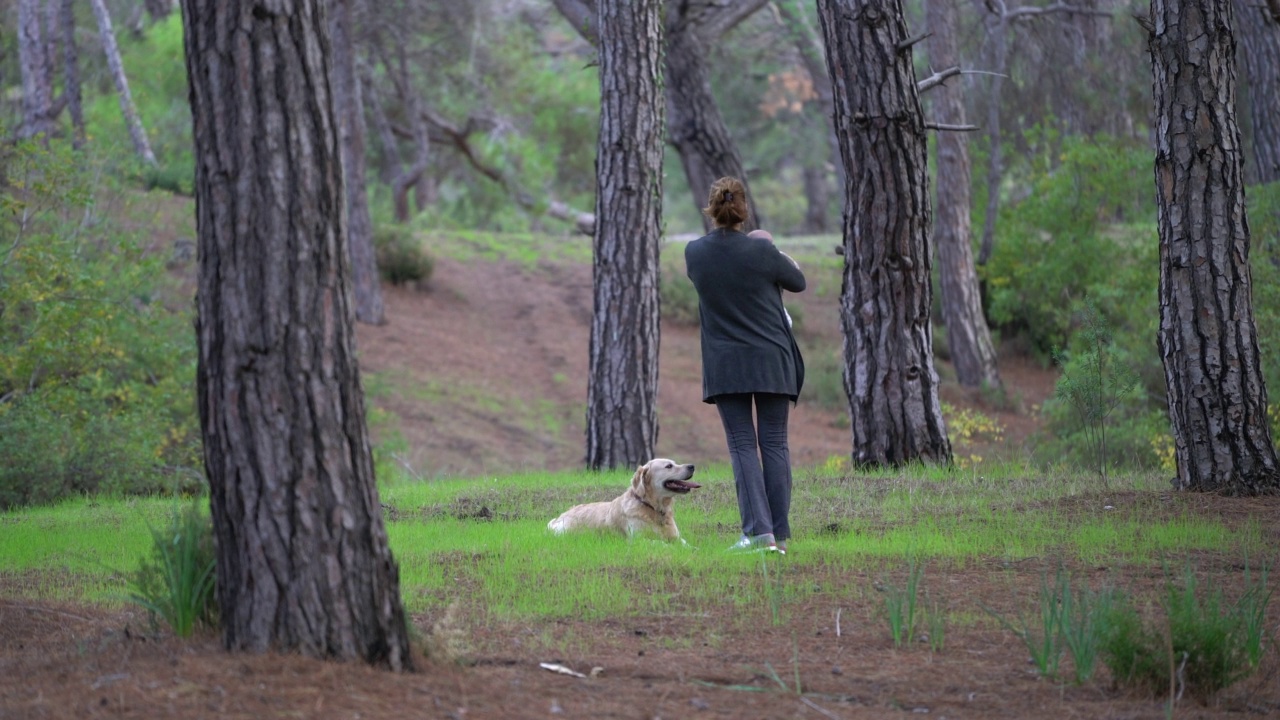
x: 483, y: 541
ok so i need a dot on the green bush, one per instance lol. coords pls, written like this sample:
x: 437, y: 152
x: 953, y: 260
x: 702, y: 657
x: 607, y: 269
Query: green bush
x: 177, y: 582
x: 1264, y: 262
x: 677, y: 296
x: 400, y: 257
x: 1203, y: 645
x: 95, y: 372
x: 1060, y: 242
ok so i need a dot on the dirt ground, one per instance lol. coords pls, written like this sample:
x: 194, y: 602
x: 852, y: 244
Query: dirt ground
x: 485, y: 371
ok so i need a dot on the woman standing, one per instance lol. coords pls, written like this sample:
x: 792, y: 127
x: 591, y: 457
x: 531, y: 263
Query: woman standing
x: 750, y: 360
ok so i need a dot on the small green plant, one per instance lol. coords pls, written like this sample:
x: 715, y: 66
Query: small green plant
x: 677, y: 296
x: 935, y: 616
x: 1081, y: 631
x: 401, y: 259
x: 1043, y: 641
x: 177, y: 582
x: 1202, y: 647
x: 900, y: 606
x: 1094, y: 382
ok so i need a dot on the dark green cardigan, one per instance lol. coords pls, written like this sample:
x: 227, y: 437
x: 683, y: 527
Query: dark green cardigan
x: 747, y: 345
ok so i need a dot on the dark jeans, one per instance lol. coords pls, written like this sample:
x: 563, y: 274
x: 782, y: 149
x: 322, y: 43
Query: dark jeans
x: 761, y: 460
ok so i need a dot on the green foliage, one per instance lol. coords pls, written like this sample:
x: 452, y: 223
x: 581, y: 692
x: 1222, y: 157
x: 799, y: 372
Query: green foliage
x: 1203, y: 646
x: 401, y: 259
x: 1057, y: 244
x: 1094, y: 382
x: 1264, y: 261
x: 900, y: 605
x: 676, y: 294
x: 177, y: 582
x: 155, y: 64
x: 95, y: 372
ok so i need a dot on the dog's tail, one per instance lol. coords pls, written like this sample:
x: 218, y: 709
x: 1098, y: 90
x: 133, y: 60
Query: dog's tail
x: 559, y: 525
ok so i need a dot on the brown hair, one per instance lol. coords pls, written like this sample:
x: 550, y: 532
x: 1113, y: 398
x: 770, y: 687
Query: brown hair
x: 727, y: 203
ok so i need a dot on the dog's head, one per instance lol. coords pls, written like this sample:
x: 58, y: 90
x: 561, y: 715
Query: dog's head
x: 662, y: 478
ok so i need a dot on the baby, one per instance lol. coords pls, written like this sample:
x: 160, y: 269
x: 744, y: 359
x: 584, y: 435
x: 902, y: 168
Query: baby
x: 758, y: 233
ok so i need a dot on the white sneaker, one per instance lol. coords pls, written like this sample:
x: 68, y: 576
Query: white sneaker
x: 755, y: 543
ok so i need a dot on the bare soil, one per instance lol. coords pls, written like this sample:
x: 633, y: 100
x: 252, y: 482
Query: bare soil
x: 486, y: 372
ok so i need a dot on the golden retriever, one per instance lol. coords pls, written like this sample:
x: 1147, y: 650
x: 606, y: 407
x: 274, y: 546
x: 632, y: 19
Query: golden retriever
x: 646, y: 505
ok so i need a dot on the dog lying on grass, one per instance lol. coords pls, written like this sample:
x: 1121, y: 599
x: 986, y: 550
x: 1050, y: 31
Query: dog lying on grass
x: 646, y: 505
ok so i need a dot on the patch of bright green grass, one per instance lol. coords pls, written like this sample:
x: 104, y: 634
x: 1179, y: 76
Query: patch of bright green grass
x: 483, y: 541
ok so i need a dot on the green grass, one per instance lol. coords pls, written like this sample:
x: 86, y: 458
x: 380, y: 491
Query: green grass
x: 483, y: 541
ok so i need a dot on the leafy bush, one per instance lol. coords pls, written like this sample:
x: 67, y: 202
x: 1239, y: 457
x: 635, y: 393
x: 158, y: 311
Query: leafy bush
x: 1264, y: 261
x: 400, y: 257
x: 1203, y: 646
x: 1057, y: 245
x: 177, y: 582
x: 95, y: 372
x: 677, y: 296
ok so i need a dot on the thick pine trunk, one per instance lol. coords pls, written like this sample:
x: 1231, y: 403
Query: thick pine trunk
x: 968, y: 337
x: 695, y: 127
x: 366, y: 285
x: 622, y: 391
x: 886, y: 296
x: 71, y: 73
x: 127, y: 108
x: 37, y: 90
x: 1259, y: 51
x: 303, y: 561
x: 1208, y: 341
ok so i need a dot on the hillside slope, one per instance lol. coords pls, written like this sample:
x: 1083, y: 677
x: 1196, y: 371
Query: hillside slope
x: 485, y: 371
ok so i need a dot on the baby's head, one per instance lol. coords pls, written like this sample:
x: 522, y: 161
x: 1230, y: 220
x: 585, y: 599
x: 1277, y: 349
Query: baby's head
x: 761, y: 233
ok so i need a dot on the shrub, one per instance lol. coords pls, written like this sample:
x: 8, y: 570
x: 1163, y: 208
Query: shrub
x: 401, y: 259
x: 177, y: 582
x: 677, y: 297
x: 1203, y: 646
x: 1057, y: 245
x: 95, y: 372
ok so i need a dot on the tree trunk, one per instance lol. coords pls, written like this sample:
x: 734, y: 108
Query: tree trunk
x: 817, y: 195
x: 1207, y: 338
x: 998, y: 36
x: 366, y: 286
x: 37, y: 90
x: 127, y: 108
x: 71, y: 74
x: 968, y: 337
x: 159, y: 9
x: 303, y: 562
x: 622, y: 390
x: 1259, y: 50
x: 886, y: 296
x: 695, y: 127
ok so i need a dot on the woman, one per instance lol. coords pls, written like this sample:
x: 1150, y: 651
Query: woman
x: 749, y: 359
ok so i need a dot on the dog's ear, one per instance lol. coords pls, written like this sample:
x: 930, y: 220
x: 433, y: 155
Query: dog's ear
x: 638, y: 479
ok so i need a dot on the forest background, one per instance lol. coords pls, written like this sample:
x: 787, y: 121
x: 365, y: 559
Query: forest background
x: 481, y: 120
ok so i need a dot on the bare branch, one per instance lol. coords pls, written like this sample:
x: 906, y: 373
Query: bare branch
x: 722, y: 18
x: 941, y: 127
x: 909, y: 42
x: 936, y: 79
x: 582, y: 16
x: 1057, y: 7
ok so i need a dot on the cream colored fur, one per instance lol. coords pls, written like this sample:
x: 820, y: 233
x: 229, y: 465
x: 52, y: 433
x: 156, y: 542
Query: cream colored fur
x: 646, y: 504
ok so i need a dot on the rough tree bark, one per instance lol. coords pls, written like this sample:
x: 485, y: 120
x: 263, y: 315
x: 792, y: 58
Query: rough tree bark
x: 885, y: 299
x: 37, y: 90
x: 303, y: 562
x: 622, y: 389
x: 127, y: 108
x: 1208, y: 341
x: 968, y: 337
x: 1259, y: 51
x: 349, y: 107
x: 696, y: 129
x: 71, y: 74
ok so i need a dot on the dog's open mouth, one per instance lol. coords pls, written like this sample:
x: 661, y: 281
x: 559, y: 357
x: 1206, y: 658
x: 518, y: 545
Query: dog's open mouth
x: 680, y: 486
